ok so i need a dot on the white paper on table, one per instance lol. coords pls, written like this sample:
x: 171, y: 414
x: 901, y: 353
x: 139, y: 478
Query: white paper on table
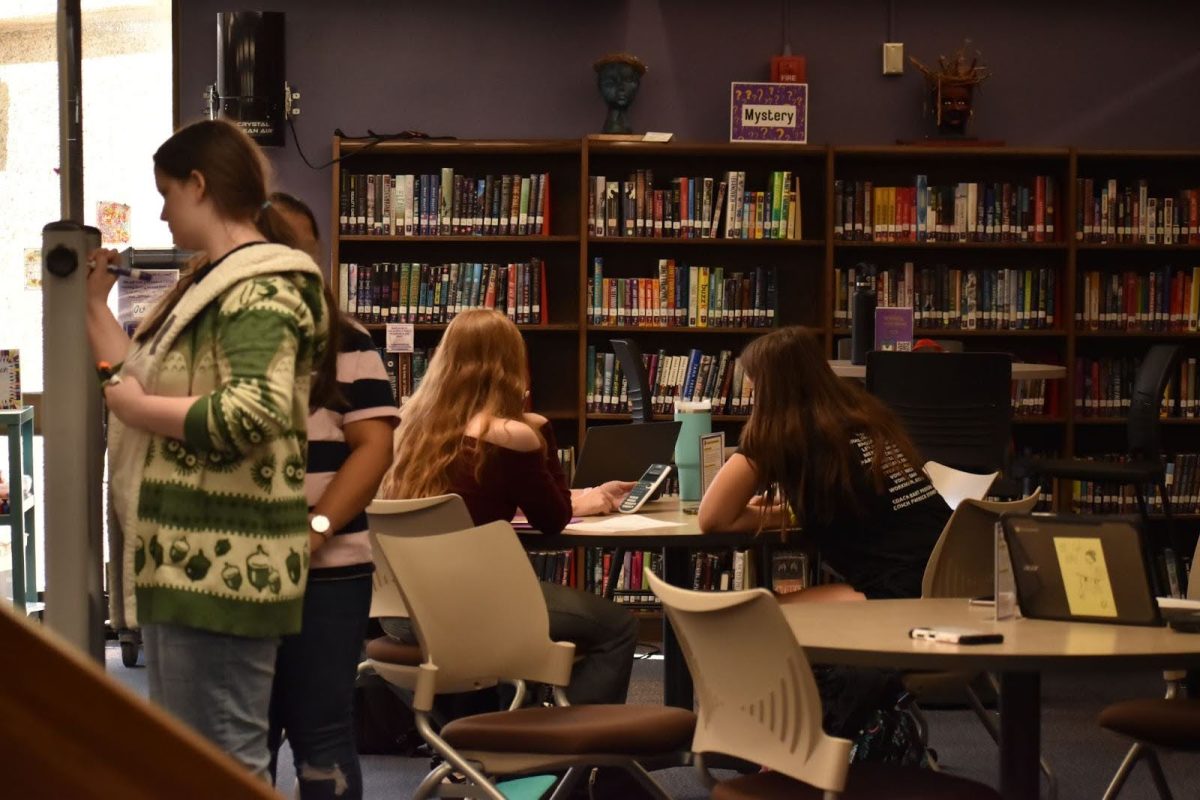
x: 620, y: 522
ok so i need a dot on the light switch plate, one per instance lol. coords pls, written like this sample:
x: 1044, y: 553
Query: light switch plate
x: 893, y: 58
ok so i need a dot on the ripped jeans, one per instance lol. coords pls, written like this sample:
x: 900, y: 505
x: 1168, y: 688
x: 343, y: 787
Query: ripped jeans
x: 312, y: 700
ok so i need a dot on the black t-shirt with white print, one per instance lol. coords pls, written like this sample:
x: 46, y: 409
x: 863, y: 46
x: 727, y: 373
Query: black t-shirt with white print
x: 882, y: 547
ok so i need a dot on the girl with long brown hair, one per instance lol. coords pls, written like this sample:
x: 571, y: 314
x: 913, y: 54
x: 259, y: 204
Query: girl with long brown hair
x: 349, y: 450
x: 464, y: 431
x: 207, y: 406
x: 843, y: 464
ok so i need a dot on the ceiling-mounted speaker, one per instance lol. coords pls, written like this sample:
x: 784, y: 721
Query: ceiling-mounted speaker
x: 250, y: 88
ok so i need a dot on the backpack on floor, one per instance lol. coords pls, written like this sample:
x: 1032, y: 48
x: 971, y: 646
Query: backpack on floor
x: 383, y: 723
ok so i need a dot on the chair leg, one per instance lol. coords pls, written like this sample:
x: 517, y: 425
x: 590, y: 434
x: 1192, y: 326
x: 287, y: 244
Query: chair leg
x: 460, y: 764
x: 1127, y: 765
x: 923, y: 732
x: 1156, y: 773
x: 646, y: 781
x: 432, y: 781
x: 569, y: 781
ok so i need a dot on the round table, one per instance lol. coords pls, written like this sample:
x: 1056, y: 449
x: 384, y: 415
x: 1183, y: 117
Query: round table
x: 875, y: 634
x: 1021, y: 371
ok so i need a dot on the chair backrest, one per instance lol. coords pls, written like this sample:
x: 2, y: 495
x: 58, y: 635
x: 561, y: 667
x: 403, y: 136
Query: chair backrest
x: 477, y: 609
x: 439, y: 514
x: 956, y: 407
x: 963, y: 560
x: 954, y: 485
x: 636, y: 378
x: 757, y: 697
x: 1142, y: 426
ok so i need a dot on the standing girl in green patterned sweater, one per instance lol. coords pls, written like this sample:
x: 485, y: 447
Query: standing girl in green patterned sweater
x: 207, y: 439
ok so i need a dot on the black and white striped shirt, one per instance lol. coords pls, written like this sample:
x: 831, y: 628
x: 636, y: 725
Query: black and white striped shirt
x: 364, y: 385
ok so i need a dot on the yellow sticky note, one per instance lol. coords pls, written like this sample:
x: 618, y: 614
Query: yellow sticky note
x: 1085, y: 576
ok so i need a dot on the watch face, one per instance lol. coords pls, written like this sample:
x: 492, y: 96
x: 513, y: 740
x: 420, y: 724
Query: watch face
x: 319, y: 524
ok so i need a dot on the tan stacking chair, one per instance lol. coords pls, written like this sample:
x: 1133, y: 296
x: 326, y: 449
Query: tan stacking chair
x: 1169, y: 723
x: 479, y: 614
x: 954, y: 485
x: 395, y: 661
x: 758, y: 701
x: 962, y: 564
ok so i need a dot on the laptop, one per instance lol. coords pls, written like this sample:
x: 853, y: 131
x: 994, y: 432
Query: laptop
x: 1089, y: 569
x: 623, y: 452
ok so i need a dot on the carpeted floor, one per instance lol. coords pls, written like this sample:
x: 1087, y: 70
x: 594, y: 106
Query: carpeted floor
x: 1083, y: 755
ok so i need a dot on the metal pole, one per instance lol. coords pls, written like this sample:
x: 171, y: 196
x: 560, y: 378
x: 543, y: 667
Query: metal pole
x: 70, y: 110
x: 73, y: 434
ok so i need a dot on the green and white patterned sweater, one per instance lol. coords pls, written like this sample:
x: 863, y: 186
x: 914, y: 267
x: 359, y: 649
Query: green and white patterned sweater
x: 215, y: 526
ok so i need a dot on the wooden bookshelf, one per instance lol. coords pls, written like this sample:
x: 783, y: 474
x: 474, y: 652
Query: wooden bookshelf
x: 805, y: 267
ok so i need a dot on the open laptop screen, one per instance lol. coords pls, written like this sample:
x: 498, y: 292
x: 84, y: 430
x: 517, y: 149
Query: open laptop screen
x: 1080, y: 568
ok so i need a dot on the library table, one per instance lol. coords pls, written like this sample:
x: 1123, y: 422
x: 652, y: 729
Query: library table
x: 1020, y: 370
x: 876, y: 634
x: 675, y: 542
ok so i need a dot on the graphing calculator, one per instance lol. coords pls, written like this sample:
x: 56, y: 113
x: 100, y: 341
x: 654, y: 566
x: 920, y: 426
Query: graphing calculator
x: 646, y: 486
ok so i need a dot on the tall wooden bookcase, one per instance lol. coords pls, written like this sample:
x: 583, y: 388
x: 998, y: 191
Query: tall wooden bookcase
x: 805, y: 267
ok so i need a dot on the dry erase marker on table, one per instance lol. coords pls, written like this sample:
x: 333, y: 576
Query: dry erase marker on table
x: 956, y: 636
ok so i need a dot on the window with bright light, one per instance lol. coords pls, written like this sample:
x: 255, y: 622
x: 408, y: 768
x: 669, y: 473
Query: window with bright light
x: 127, y: 114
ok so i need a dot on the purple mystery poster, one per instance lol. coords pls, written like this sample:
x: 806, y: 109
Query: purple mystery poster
x: 768, y: 112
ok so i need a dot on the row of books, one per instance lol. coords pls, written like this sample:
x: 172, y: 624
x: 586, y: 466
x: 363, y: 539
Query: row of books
x: 712, y: 571
x: 1035, y: 397
x: 692, y: 207
x: 444, y: 203
x: 1165, y: 299
x: 955, y: 298
x: 696, y: 376
x: 683, y: 295
x: 1108, y: 211
x: 435, y: 293
x: 405, y: 370
x: 1183, y: 489
x: 959, y: 212
x: 1104, y: 388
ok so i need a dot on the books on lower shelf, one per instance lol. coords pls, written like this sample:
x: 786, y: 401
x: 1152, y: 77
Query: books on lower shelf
x: 1112, y: 212
x: 954, y: 298
x: 1183, y: 489
x: 444, y: 203
x: 435, y: 293
x: 1166, y: 299
x: 696, y: 376
x: 715, y: 571
x: 1035, y: 398
x: 405, y: 371
x: 697, y: 207
x: 1104, y: 388
x: 955, y: 212
x: 682, y: 295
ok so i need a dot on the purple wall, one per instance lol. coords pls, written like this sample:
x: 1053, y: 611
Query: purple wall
x: 1102, y: 73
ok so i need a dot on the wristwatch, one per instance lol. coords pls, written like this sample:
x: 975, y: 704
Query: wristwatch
x: 319, y: 524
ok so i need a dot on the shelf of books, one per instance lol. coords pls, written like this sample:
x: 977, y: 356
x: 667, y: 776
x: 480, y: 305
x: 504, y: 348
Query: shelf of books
x: 1077, y: 257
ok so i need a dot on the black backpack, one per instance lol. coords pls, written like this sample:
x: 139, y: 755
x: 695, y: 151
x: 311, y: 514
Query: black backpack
x: 383, y: 722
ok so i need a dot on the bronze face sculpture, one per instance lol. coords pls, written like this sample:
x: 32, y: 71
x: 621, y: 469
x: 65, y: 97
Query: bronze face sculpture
x: 618, y: 76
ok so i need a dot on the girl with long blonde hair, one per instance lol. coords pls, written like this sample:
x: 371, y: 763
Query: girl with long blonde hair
x: 464, y: 431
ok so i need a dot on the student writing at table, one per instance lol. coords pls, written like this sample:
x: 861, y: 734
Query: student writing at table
x: 841, y: 461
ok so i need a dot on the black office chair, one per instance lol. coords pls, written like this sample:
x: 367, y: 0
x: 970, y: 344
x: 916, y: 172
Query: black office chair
x: 1145, y: 466
x: 642, y: 410
x: 956, y: 407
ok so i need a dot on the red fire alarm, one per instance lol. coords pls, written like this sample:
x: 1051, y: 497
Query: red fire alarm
x: 789, y: 69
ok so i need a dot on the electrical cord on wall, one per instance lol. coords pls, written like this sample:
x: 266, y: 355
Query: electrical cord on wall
x: 377, y: 138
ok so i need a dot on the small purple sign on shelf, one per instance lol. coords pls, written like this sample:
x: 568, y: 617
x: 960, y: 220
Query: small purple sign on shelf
x: 768, y: 112
x: 894, y: 329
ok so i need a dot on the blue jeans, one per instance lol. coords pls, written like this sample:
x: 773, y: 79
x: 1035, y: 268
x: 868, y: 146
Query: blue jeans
x: 218, y: 684
x: 313, y: 699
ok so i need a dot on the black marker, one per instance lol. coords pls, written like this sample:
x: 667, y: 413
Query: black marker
x: 129, y: 272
